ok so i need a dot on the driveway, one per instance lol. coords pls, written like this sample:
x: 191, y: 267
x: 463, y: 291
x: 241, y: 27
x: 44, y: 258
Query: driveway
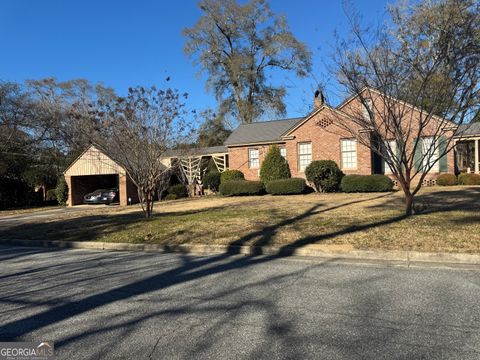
x: 113, y: 305
x: 54, y: 214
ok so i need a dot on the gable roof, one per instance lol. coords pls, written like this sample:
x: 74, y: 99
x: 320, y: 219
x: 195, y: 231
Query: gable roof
x: 261, y: 132
x: 378, y: 92
x: 93, y: 161
x: 313, y: 113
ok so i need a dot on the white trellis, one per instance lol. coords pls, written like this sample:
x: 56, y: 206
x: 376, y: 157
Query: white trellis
x: 192, y: 163
x: 191, y: 168
x: 220, y: 162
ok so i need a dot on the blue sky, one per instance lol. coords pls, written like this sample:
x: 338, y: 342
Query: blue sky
x: 127, y: 43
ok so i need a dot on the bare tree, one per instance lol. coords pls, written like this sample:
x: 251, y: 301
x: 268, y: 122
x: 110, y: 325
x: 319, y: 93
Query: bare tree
x: 414, y: 83
x: 135, y: 132
x: 65, y: 109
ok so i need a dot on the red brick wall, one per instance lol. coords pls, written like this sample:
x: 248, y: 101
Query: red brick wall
x: 325, y: 146
x: 325, y: 143
x: 238, y: 160
x: 410, y: 120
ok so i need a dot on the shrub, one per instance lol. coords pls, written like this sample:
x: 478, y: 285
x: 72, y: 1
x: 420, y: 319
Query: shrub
x: 211, y: 167
x: 229, y: 175
x: 274, y: 166
x: 51, y: 195
x: 469, y: 179
x: 241, y: 187
x: 179, y: 190
x: 211, y: 180
x: 447, y: 180
x: 366, y: 183
x: 285, y: 186
x: 324, y: 174
x: 171, y: 197
x: 61, y: 191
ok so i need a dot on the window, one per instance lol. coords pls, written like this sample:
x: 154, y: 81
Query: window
x: 283, y: 151
x: 369, y: 106
x: 304, y: 155
x: 430, y: 153
x: 393, y: 147
x: 349, y: 153
x: 253, y: 160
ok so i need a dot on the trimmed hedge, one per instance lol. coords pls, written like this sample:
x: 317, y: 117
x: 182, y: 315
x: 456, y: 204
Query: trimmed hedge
x: 171, y: 197
x: 229, y: 175
x: 274, y: 166
x: 469, y: 179
x: 285, y: 186
x: 179, y: 190
x: 241, y: 187
x: 447, y: 180
x: 211, y: 180
x: 324, y: 174
x: 366, y: 183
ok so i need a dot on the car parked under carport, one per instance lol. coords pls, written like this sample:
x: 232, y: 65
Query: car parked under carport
x: 94, y: 170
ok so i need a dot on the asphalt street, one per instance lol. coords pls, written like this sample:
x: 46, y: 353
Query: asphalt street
x: 126, y: 305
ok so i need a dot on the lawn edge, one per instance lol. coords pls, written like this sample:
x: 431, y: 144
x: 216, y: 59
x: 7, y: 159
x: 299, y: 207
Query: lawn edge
x: 399, y: 257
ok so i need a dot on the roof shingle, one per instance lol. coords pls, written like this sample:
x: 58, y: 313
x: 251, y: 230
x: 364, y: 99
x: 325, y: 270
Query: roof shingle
x: 261, y: 132
x: 468, y: 129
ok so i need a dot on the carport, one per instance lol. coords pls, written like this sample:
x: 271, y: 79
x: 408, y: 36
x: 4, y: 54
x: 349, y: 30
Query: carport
x: 94, y: 170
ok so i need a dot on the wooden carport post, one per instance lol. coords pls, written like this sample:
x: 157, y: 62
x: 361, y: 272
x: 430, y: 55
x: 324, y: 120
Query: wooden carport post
x: 122, y: 189
x: 68, y: 180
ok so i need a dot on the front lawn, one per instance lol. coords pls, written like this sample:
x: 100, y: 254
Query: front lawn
x: 450, y: 221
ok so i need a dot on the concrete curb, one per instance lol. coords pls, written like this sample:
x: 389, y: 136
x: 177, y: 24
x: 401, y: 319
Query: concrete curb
x: 407, y: 258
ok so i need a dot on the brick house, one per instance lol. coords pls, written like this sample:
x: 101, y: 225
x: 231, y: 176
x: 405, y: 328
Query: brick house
x: 319, y: 136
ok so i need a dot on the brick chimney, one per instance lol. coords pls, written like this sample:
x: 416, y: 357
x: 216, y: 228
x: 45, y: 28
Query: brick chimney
x: 318, y: 100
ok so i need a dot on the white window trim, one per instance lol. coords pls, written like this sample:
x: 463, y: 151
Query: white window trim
x: 355, y: 164
x: 434, y: 157
x: 283, y: 149
x: 300, y: 168
x: 393, y: 148
x: 250, y: 158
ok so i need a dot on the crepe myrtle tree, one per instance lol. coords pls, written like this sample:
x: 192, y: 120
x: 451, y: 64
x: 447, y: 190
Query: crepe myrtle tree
x: 414, y: 82
x: 135, y: 131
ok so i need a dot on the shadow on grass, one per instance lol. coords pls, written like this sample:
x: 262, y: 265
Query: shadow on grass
x: 162, y: 277
x: 466, y: 199
x: 88, y: 227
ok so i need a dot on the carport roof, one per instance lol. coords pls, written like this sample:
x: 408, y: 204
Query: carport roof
x: 93, y: 161
x: 199, y: 151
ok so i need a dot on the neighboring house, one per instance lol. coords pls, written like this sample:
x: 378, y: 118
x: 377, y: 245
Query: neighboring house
x: 318, y: 136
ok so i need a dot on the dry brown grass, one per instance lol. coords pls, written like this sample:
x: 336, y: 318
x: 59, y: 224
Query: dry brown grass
x: 449, y: 221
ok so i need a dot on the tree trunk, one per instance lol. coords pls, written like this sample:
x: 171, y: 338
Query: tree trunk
x: 405, y: 185
x: 408, y: 203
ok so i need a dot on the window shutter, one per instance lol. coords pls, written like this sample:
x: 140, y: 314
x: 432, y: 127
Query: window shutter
x: 443, y: 164
x: 418, y: 155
